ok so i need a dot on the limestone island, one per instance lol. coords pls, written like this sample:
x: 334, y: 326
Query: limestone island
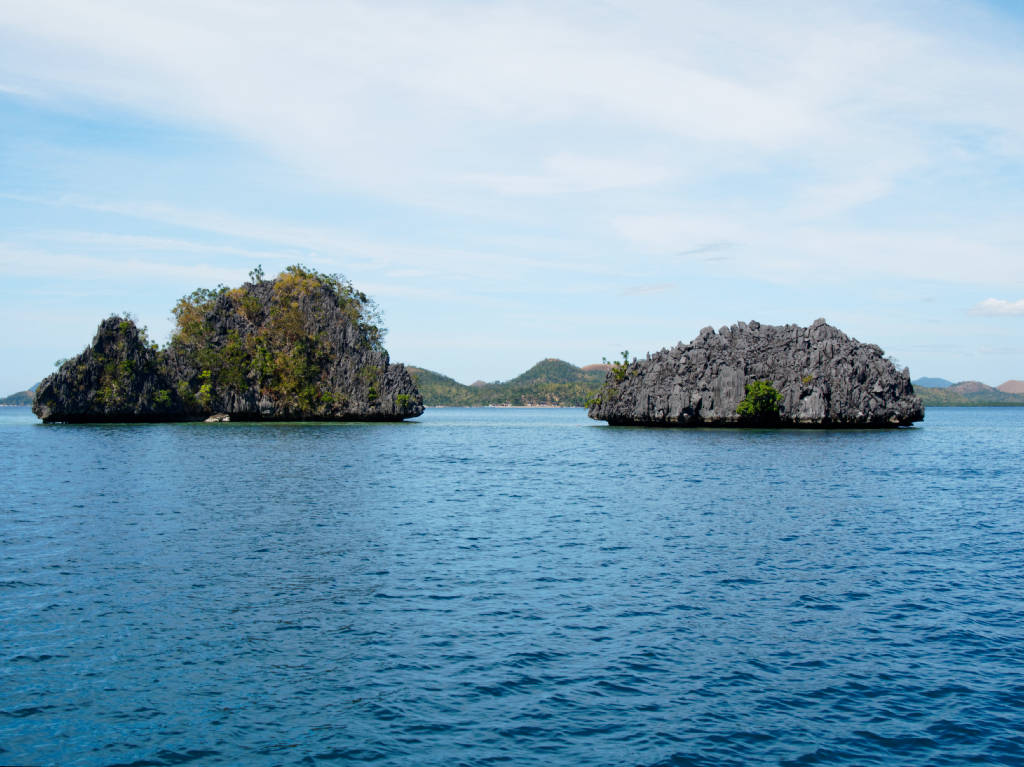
x: 761, y: 375
x: 304, y: 346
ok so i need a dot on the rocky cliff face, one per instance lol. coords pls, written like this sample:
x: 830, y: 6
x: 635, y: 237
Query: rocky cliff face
x: 824, y: 378
x: 303, y: 346
x: 119, y: 377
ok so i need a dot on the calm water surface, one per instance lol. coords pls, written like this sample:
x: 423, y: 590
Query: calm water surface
x: 512, y: 586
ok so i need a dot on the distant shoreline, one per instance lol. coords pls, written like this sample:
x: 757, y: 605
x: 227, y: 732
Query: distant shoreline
x: 562, y: 407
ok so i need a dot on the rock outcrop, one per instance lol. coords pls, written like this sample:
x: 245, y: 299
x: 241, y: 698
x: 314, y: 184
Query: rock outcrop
x: 824, y: 379
x: 119, y: 377
x: 303, y: 346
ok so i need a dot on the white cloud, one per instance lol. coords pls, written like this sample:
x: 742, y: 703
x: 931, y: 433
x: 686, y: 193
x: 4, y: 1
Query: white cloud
x: 821, y: 201
x: 572, y: 173
x: 686, y: 234
x: 536, y: 147
x: 781, y: 247
x: 14, y: 91
x: 646, y: 290
x: 144, y: 244
x: 997, y: 307
x: 426, y: 102
x: 23, y: 262
x: 325, y: 247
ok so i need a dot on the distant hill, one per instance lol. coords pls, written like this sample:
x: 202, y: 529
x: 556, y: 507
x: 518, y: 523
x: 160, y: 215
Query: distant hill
x: 557, y: 382
x: 438, y: 389
x: 1012, y: 387
x: 555, y: 371
x: 932, y: 383
x: 968, y: 388
x: 19, y: 399
x: 549, y: 382
x: 966, y: 394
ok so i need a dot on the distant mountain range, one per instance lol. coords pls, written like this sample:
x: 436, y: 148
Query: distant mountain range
x: 556, y: 382
x: 19, y: 399
x: 932, y: 383
x: 549, y: 382
x: 938, y: 392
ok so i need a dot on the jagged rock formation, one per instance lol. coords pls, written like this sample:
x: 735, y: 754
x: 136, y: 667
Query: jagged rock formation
x: 117, y: 378
x: 303, y: 346
x: 824, y: 377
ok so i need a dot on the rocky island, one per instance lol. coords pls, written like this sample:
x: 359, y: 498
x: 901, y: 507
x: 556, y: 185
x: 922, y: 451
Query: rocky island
x: 301, y: 346
x: 761, y: 375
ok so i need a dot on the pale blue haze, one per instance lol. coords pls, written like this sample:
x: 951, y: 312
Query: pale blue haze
x: 492, y: 586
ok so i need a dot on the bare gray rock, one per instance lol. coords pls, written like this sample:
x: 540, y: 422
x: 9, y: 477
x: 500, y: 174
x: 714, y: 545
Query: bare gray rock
x: 825, y: 378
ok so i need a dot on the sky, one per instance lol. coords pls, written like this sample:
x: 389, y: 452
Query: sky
x: 519, y: 180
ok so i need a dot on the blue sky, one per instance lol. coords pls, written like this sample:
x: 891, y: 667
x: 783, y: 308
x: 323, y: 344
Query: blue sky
x: 514, y: 181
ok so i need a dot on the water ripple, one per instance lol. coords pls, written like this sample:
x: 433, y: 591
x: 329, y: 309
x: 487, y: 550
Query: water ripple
x: 508, y: 587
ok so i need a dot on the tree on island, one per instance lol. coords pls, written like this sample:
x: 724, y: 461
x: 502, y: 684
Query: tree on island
x: 761, y: 403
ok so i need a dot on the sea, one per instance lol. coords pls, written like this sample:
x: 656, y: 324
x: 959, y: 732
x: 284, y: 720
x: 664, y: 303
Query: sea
x: 512, y: 587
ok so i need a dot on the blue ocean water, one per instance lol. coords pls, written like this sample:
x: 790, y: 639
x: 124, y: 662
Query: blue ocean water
x: 495, y: 586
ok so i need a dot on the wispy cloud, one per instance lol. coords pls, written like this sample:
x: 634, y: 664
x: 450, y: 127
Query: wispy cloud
x: 778, y: 247
x: 11, y: 90
x: 512, y: 151
x: 17, y: 261
x: 145, y: 244
x: 391, y: 98
x: 572, y: 173
x: 646, y: 290
x: 388, y: 267
x: 997, y: 307
x: 711, y: 251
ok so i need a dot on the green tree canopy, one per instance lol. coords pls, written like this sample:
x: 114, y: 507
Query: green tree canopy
x: 762, y: 401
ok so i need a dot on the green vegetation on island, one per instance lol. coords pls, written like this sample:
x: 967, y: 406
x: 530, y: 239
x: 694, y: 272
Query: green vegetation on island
x: 761, y: 402
x: 301, y: 346
x: 968, y: 394
x: 551, y: 382
x: 753, y: 375
x: 274, y: 340
x: 932, y: 383
x: 21, y: 398
x: 18, y: 399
